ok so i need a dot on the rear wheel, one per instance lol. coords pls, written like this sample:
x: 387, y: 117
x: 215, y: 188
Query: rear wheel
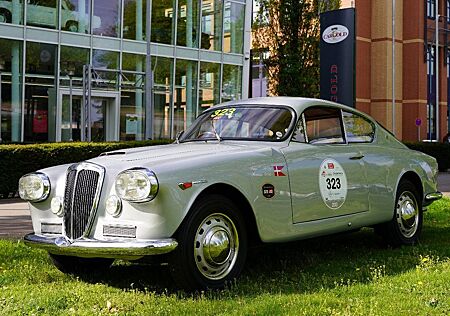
x: 72, y: 26
x: 77, y: 265
x: 406, y: 225
x: 212, y: 245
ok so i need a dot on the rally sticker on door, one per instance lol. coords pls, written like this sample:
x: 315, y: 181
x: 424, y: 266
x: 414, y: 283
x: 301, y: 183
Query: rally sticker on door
x: 332, y: 183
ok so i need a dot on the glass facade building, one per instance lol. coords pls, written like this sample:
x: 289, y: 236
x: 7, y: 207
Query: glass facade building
x: 75, y: 70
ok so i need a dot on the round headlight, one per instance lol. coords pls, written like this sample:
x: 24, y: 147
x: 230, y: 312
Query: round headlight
x: 34, y: 187
x: 113, y: 206
x: 56, y: 206
x: 136, y: 185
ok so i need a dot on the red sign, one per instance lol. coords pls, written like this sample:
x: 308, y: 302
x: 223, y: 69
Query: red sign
x: 40, y: 121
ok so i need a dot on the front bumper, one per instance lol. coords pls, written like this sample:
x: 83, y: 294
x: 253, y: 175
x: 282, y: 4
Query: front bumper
x: 117, y: 249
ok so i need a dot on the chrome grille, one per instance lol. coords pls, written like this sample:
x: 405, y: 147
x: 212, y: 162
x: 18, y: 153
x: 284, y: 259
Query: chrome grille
x: 83, y: 185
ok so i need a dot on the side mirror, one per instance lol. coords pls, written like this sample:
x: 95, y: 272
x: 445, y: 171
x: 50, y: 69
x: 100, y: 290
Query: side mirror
x: 177, y: 138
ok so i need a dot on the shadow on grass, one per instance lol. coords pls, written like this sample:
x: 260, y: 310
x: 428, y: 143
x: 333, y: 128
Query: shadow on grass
x: 306, y: 266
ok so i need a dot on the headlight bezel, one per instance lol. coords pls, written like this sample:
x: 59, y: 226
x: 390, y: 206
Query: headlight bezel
x: 152, y: 180
x: 45, y: 180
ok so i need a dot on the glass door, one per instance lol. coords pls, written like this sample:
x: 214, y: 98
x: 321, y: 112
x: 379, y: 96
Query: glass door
x: 102, y: 118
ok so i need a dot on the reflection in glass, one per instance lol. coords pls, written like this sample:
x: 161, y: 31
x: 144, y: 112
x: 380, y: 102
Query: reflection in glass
x: 40, y: 93
x: 72, y: 61
x: 71, y: 124
x: 162, y: 21
x: 134, y: 19
x: 40, y: 108
x: 132, y: 115
x: 234, y: 27
x: 162, y: 96
x: 188, y: 25
x: 97, y: 119
x: 108, y: 60
x: 132, y: 107
x: 75, y: 16
x: 212, y: 24
x: 11, y: 95
x: 109, y: 12
x: 41, y: 58
x: 11, y: 11
x: 231, y: 83
x: 185, y: 103
x: 209, y: 84
x: 42, y: 13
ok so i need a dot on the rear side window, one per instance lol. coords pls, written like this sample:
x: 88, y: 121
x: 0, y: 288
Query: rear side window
x: 358, y: 128
x: 323, y: 125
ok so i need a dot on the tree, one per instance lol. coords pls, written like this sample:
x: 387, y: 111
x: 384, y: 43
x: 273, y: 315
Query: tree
x: 290, y: 31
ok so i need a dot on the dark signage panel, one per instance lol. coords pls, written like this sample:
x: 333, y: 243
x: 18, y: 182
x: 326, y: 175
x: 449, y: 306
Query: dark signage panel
x: 337, y: 56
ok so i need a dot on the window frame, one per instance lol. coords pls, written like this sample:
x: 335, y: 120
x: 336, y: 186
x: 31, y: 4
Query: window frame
x: 304, y: 121
x: 372, y: 124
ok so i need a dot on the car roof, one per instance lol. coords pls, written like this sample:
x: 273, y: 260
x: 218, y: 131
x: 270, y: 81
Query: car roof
x: 299, y: 104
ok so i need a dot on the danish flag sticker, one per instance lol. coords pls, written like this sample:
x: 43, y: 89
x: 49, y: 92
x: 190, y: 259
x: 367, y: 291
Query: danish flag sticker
x: 277, y: 171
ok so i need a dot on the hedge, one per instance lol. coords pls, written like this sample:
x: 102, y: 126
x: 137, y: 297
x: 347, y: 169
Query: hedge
x: 440, y: 151
x: 17, y: 160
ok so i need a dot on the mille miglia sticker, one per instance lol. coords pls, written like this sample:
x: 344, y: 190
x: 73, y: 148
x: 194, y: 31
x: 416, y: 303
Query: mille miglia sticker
x: 277, y: 171
x: 332, y: 183
x: 268, y: 190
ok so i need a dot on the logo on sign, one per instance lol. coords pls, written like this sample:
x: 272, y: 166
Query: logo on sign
x: 335, y: 34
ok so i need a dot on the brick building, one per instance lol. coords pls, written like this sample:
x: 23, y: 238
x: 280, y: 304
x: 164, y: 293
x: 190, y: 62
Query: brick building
x: 414, y: 70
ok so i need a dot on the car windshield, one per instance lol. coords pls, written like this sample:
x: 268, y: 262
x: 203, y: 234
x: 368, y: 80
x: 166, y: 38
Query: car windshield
x: 242, y: 123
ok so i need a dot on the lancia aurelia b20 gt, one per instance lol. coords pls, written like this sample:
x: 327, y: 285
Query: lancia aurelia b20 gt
x: 278, y: 169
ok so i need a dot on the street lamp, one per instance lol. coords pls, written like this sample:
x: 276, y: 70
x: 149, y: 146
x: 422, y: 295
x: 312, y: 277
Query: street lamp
x: 2, y: 66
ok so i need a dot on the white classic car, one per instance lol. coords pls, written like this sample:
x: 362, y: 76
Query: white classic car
x: 272, y: 169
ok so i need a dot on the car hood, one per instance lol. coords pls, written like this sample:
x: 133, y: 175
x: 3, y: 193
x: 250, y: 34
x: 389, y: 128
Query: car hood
x: 163, y: 154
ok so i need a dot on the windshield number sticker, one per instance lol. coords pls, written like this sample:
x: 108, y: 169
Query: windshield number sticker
x: 332, y: 183
x: 224, y: 112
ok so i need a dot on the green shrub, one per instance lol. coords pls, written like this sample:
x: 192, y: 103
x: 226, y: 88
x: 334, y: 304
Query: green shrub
x: 17, y: 160
x: 440, y: 151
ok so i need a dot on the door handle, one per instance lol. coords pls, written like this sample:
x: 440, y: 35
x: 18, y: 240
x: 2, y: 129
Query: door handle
x: 357, y: 157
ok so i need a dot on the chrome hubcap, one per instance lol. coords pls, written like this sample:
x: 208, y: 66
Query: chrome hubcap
x: 407, y: 213
x: 216, y: 246
x: 2, y: 18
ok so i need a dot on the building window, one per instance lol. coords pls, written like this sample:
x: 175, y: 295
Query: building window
x: 209, y: 85
x: 431, y: 9
x: 231, y: 83
x: 11, y: 87
x: 42, y: 13
x: 163, y: 21
x: 431, y: 93
x: 234, y: 19
x: 109, y: 12
x: 11, y: 11
x: 134, y: 14
x: 212, y: 14
x: 188, y: 23
x: 75, y: 16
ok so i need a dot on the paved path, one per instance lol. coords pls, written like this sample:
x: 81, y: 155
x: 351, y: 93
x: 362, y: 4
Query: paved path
x: 15, y: 219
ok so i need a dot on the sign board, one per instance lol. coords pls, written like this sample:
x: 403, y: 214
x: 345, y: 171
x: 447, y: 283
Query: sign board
x: 418, y: 122
x: 337, y: 56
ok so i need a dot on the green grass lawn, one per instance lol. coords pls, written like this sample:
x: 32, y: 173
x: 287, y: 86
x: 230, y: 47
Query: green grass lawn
x: 350, y: 274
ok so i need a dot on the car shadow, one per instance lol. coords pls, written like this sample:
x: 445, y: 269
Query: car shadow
x: 306, y: 266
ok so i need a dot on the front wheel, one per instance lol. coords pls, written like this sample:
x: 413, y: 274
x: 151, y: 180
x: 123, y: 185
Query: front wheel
x: 406, y: 225
x: 77, y: 265
x: 212, y: 245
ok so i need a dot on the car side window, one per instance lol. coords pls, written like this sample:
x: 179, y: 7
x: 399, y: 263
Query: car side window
x: 299, y: 131
x: 358, y: 128
x: 323, y: 125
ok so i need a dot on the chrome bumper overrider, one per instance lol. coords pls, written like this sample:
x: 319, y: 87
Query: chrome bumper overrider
x: 430, y: 197
x: 101, y: 248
